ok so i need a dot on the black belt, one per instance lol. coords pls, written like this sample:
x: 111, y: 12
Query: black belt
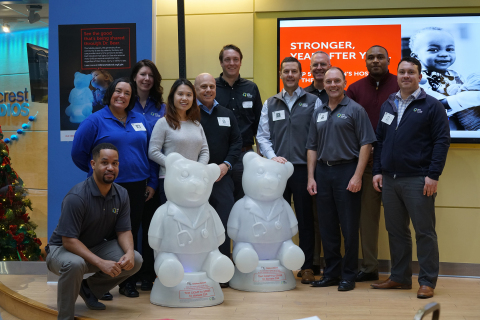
x: 247, y: 148
x: 334, y: 163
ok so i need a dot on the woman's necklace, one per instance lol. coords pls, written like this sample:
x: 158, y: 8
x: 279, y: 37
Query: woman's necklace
x: 120, y: 119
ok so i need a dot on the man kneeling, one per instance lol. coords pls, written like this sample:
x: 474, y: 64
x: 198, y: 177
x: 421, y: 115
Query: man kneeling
x: 93, y: 236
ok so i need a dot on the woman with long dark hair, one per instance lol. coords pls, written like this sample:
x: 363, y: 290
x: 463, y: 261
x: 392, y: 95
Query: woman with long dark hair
x: 179, y: 131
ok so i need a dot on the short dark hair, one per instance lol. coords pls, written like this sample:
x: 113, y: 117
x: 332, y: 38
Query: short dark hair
x: 111, y: 89
x: 156, y: 92
x: 411, y: 42
x: 337, y: 68
x: 377, y: 46
x: 291, y: 59
x: 171, y: 115
x: 412, y: 61
x: 230, y: 47
x: 102, y: 146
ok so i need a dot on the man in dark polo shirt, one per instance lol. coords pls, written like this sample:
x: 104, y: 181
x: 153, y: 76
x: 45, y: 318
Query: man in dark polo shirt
x: 370, y: 92
x: 282, y: 136
x: 93, y: 235
x: 243, y: 98
x: 319, y: 64
x: 339, y: 144
x: 225, y: 145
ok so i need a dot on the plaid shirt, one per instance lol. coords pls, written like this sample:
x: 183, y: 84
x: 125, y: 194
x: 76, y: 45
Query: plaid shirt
x: 403, y: 104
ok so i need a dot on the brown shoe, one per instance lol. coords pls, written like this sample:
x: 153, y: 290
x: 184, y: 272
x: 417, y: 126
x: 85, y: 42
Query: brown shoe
x: 390, y: 284
x: 307, y: 276
x: 425, y: 292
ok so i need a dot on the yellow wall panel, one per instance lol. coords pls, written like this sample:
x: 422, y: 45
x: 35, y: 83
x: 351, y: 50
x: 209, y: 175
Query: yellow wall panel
x: 288, y: 5
x: 169, y: 7
x: 166, y: 53
x: 205, y: 37
x: 29, y: 158
x: 459, y: 185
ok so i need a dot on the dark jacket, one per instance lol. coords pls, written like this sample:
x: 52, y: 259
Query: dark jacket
x: 418, y: 146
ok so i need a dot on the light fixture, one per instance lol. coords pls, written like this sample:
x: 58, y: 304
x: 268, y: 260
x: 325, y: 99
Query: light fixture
x: 33, y: 16
x: 6, y: 27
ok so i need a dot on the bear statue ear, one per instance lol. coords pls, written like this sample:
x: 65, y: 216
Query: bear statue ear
x: 213, y: 171
x: 172, y: 158
x: 249, y: 156
x: 289, y: 167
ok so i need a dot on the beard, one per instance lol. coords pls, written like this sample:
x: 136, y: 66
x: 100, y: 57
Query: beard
x: 108, y: 179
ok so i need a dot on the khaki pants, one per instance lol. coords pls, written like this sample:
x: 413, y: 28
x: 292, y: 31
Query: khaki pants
x: 369, y: 222
x: 71, y: 269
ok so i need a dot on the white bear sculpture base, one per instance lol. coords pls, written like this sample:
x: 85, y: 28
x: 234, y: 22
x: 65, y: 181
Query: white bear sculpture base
x: 194, y: 291
x: 269, y: 276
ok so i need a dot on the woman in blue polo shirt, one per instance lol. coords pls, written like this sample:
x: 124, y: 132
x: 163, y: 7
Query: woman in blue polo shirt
x: 116, y: 123
x: 146, y: 82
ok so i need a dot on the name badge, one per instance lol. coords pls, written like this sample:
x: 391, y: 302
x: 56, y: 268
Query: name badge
x: 138, y: 126
x: 247, y: 104
x: 223, y: 121
x: 278, y: 115
x: 322, y: 116
x: 388, y: 118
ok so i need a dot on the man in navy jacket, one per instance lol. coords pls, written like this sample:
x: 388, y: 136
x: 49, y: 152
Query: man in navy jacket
x: 413, y: 138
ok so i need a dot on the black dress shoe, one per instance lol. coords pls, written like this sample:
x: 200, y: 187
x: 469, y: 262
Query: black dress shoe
x: 325, y: 282
x: 224, y: 285
x: 363, y: 276
x: 90, y: 300
x: 107, y: 296
x: 346, y: 285
x: 146, y: 285
x: 129, y: 291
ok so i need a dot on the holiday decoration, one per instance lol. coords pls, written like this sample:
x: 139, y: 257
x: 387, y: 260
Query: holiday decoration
x: 18, y: 241
x: 24, y: 127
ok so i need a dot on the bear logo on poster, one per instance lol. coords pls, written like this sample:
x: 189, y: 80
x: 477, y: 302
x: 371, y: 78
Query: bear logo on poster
x: 262, y: 223
x: 80, y: 98
x: 186, y: 231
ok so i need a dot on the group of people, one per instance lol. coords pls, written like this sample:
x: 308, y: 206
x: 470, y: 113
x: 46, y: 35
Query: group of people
x: 326, y: 133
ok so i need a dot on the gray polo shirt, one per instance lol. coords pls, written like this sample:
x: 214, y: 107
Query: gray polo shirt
x: 339, y: 134
x: 90, y: 217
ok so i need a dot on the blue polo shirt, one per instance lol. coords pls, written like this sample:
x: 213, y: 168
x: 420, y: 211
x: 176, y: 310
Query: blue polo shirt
x: 150, y: 112
x: 131, y: 141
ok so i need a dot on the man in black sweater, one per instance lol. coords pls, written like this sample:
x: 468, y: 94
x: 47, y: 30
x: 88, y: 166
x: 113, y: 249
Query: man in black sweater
x: 225, y: 145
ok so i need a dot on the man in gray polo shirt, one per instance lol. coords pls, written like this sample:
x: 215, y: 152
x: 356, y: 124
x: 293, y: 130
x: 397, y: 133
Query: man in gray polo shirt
x: 93, y: 235
x: 282, y: 135
x: 339, y: 144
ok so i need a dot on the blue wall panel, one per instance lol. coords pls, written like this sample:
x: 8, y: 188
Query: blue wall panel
x: 62, y: 173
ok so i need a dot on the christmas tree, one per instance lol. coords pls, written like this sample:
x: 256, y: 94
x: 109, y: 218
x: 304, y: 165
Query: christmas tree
x: 18, y: 241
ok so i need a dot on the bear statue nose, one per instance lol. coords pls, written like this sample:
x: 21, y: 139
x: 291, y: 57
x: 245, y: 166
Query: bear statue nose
x: 271, y: 180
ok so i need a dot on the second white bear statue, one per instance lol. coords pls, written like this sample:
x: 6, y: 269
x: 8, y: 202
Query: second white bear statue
x: 185, y: 234
x: 262, y: 225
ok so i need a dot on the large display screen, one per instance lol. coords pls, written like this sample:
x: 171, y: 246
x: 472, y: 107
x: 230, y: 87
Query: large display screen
x: 447, y: 46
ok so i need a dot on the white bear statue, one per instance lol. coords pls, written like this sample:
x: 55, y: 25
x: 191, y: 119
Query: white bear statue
x: 262, y: 225
x: 80, y: 99
x: 185, y: 234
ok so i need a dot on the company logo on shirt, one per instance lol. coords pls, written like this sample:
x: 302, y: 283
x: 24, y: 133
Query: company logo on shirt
x: 247, y: 95
x: 342, y: 115
x: 154, y: 114
x: 417, y: 110
x: 303, y: 104
x: 116, y: 210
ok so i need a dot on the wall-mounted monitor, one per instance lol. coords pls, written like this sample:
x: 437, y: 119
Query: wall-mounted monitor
x: 447, y: 46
